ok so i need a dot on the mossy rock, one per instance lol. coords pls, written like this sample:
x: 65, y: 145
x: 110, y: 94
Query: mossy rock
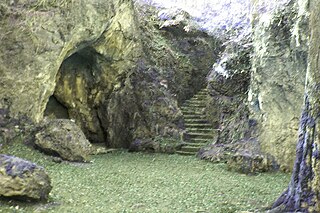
x: 23, y: 180
x: 63, y: 138
x: 250, y: 163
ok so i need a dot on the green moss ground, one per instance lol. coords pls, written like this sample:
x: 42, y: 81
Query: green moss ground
x: 135, y: 182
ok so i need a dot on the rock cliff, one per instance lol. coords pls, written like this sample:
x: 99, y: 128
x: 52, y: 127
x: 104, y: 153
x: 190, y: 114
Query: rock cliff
x: 279, y: 66
x: 120, y: 78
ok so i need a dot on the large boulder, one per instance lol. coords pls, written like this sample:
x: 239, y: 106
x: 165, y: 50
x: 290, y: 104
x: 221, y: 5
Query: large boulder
x: 63, y: 138
x: 22, y: 179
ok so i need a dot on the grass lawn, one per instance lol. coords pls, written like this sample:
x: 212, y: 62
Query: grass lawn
x: 135, y: 182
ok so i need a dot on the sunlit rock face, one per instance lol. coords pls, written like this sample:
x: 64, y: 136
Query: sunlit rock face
x: 37, y: 37
x: 23, y: 180
x: 179, y: 48
x: 75, y: 53
x: 277, y: 80
x: 119, y: 78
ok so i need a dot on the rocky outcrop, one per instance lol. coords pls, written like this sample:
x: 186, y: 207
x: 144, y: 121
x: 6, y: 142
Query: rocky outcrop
x: 178, y: 48
x: 258, y: 92
x: 228, y: 84
x: 243, y: 157
x: 118, y: 77
x: 37, y: 38
x: 20, y: 179
x: 277, y: 80
x: 63, y: 138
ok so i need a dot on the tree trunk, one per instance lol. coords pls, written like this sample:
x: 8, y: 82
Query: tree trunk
x: 303, y: 193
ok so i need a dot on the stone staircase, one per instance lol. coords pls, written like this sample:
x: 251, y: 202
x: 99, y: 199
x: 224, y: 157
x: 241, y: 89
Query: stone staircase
x: 199, y: 132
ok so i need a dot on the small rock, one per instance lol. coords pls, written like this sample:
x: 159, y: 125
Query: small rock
x: 22, y: 179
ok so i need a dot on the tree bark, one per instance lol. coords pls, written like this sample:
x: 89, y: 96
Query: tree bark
x: 303, y: 193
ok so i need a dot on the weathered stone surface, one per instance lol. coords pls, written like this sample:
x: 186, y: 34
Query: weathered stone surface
x: 12, y: 129
x: 22, y: 179
x: 228, y: 84
x: 120, y: 78
x: 159, y: 145
x: 244, y: 157
x: 251, y: 163
x: 277, y: 79
x: 63, y: 138
x: 37, y: 37
x: 179, y: 48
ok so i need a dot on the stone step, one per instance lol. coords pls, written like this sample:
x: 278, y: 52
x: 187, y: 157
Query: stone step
x: 200, y: 140
x: 196, y: 110
x: 197, y: 125
x: 200, y: 96
x: 201, y: 99
x: 201, y: 131
x: 195, y: 101
x: 194, y: 116
x: 195, y: 144
x: 195, y: 121
x: 200, y: 135
x: 189, y: 112
x: 185, y: 153
x: 193, y: 106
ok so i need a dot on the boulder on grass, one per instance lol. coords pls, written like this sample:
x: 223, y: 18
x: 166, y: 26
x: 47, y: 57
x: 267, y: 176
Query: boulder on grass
x: 243, y: 157
x: 21, y: 179
x: 251, y: 163
x: 63, y: 138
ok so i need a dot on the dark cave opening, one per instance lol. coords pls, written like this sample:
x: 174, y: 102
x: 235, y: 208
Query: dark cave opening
x: 76, y: 93
x: 55, y: 109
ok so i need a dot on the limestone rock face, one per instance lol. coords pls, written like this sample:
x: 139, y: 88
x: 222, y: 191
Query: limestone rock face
x: 243, y: 156
x: 37, y: 37
x: 63, y: 138
x: 228, y: 84
x: 120, y: 78
x: 277, y: 81
x: 179, y: 48
x: 22, y: 179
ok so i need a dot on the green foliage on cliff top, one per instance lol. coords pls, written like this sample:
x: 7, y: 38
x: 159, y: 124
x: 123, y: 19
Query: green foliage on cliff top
x: 125, y: 182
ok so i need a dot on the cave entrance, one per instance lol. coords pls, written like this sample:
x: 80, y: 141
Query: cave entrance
x: 55, y: 109
x: 78, y: 93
